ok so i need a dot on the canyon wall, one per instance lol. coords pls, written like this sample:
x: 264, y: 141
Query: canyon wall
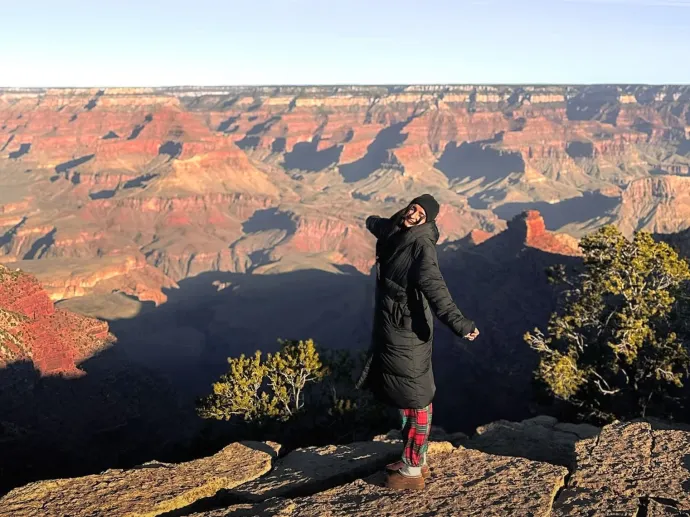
x: 132, y: 190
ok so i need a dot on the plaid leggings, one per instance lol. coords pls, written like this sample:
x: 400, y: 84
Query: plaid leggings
x: 416, y: 426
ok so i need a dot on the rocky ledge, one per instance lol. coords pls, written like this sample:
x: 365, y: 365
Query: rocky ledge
x: 535, y: 467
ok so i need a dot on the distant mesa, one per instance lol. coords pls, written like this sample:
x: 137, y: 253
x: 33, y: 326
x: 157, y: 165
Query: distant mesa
x: 531, y: 229
x: 267, y: 159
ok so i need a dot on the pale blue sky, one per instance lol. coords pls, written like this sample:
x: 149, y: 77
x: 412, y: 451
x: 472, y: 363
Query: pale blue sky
x: 203, y: 42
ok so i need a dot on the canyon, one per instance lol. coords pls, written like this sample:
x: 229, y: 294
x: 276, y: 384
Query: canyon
x: 148, y: 234
x: 132, y: 190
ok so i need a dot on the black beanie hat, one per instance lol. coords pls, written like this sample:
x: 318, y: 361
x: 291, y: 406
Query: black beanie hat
x: 429, y: 204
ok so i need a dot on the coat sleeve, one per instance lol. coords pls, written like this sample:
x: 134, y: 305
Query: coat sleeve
x: 382, y: 226
x: 378, y: 225
x: 431, y: 283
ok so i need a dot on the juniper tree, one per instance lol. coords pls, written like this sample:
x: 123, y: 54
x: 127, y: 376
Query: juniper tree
x: 256, y: 389
x: 617, y: 347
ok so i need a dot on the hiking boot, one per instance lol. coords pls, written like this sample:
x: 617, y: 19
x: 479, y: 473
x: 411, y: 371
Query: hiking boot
x: 393, y: 467
x: 397, y: 481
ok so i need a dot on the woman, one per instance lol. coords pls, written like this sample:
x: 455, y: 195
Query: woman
x: 409, y: 290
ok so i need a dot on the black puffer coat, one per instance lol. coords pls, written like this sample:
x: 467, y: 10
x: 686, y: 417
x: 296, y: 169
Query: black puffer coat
x: 410, y: 288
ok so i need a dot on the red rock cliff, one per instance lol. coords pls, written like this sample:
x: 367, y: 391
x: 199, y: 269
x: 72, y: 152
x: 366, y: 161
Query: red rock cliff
x: 31, y: 329
x: 531, y: 229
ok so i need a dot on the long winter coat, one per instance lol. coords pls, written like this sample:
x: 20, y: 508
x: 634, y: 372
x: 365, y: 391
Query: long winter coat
x: 410, y: 289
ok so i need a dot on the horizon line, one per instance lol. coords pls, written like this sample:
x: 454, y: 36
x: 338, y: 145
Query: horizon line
x: 345, y: 85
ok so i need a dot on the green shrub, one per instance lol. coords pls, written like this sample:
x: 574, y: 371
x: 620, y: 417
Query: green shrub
x: 309, y: 388
x: 617, y: 347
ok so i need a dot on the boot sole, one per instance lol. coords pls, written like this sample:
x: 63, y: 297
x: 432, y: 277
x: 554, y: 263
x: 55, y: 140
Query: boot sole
x: 426, y: 474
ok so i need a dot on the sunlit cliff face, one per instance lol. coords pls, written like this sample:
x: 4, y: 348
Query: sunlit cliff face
x: 31, y: 329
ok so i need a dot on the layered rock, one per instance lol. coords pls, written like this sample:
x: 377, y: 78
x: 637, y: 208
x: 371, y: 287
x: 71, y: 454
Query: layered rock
x: 151, y: 489
x: 55, y: 341
x: 310, y: 481
x: 64, y: 278
x: 659, y: 204
x: 175, y: 174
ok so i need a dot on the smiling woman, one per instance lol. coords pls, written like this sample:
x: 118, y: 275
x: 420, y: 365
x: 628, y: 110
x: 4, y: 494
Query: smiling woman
x: 410, y: 290
x: 415, y: 215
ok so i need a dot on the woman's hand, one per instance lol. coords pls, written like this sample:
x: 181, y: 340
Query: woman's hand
x: 472, y: 335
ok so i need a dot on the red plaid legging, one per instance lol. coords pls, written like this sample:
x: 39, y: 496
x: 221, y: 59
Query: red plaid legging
x: 416, y: 426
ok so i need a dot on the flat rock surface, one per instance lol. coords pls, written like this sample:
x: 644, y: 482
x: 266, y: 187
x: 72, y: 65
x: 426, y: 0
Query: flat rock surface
x: 629, y: 467
x: 311, y: 469
x: 464, y: 482
x: 541, y: 439
x: 145, y: 491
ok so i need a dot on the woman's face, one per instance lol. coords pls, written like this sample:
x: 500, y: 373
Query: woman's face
x: 413, y: 216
